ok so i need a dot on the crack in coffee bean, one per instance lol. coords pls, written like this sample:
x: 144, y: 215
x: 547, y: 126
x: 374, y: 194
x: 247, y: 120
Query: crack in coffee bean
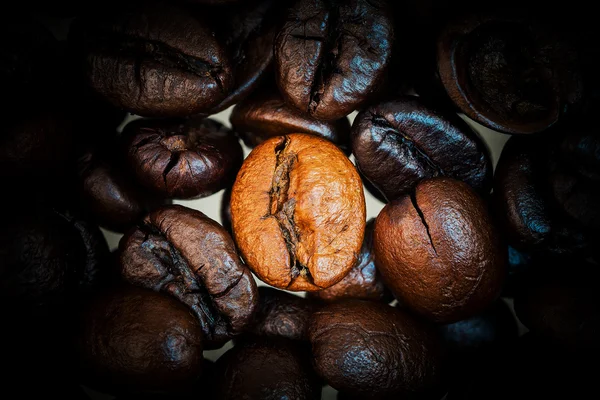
x: 413, y: 199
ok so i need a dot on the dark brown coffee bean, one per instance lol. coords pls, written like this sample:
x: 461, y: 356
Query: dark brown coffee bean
x: 399, y: 143
x: 363, y: 281
x: 281, y: 314
x: 508, y: 73
x: 110, y: 194
x: 154, y: 60
x: 135, y: 340
x: 184, y: 253
x: 264, y: 115
x: 374, y: 350
x: 562, y: 305
x: 182, y: 159
x: 331, y: 57
x: 298, y: 212
x: 523, y: 203
x: 266, y: 369
x: 438, y: 251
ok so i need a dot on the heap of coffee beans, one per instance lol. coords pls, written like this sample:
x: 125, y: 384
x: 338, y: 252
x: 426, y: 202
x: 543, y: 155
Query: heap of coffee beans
x: 110, y: 122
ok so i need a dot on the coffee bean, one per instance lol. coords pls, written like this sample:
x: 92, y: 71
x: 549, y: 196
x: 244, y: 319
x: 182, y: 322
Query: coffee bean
x: 365, y: 347
x: 182, y: 159
x: 438, y: 251
x: 135, y: 340
x: 281, y: 314
x: 182, y: 252
x: 266, y: 369
x: 363, y: 281
x: 264, y: 115
x: 399, y: 143
x: 508, y: 73
x: 331, y: 57
x: 298, y: 212
x: 154, y: 60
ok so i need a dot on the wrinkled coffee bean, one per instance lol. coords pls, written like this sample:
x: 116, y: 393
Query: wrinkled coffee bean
x: 562, y: 306
x: 399, y: 143
x: 363, y: 281
x: 523, y: 203
x: 135, y: 340
x: 226, y: 210
x: 265, y: 114
x: 374, y: 350
x: 438, y: 251
x: 266, y: 369
x: 182, y: 159
x: 331, y: 57
x: 281, y: 314
x: 182, y: 252
x: 298, y: 212
x: 508, y: 73
x: 110, y: 194
x: 154, y: 60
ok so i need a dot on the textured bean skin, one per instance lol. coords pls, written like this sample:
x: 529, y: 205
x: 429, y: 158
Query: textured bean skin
x: 280, y: 314
x: 298, y: 212
x: 399, y: 143
x: 332, y: 56
x: 183, y: 253
x: 508, y: 74
x: 363, y: 281
x: 154, y: 60
x: 182, y: 159
x: 438, y: 251
x: 374, y: 350
x: 266, y: 369
x: 135, y: 340
x: 265, y: 114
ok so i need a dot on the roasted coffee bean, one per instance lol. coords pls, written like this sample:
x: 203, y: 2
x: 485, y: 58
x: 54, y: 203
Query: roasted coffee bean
x: 182, y: 159
x: 184, y: 253
x: 438, y: 251
x: 281, y: 314
x: 265, y: 114
x: 266, y: 369
x: 562, y: 306
x: 524, y: 205
x: 298, y: 212
x: 113, y: 197
x: 507, y: 73
x: 135, y: 340
x: 331, y: 57
x: 154, y: 60
x: 226, y: 210
x: 365, y: 347
x: 399, y: 143
x: 363, y: 281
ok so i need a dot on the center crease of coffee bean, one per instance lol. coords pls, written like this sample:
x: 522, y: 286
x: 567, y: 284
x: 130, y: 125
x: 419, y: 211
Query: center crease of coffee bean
x: 413, y: 199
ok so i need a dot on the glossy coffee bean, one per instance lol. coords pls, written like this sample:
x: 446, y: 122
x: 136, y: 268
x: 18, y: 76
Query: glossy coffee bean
x: 265, y: 114
x: 298, y: 212
x: 399, y: 143
x: 507, y: 73
x: 524, y: 205
x: 135, y: 340
x: 332, y: 57
x: 438, y: 251
x: 363, y: 281
x: 562, y: 306
x: 182, y: 252
x: 110, y: 194
x: 365, y: 347
x: 266, y: 369
x: 182, y: 159
x: 154, y: 60
x: 281, y: 314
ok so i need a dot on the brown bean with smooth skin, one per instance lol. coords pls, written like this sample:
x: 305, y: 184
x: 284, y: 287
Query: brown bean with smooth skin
x: 298, y: 212
x: 182, y: 252
x: 438, y: 251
